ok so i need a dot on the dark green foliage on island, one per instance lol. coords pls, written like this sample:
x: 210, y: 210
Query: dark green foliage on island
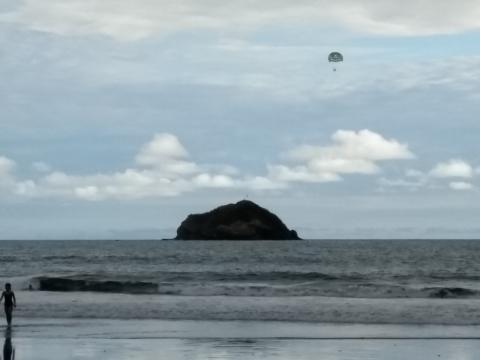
x: 244, y: 220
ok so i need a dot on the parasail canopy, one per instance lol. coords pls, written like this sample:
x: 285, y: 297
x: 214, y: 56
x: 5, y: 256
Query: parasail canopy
x: 335, y: 57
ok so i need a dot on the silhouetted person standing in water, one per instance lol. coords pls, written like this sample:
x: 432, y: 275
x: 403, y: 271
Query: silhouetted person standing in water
x: 10, y: 302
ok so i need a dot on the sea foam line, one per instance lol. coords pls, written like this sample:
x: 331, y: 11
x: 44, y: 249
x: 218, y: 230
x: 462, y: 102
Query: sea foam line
x: 310, y: 309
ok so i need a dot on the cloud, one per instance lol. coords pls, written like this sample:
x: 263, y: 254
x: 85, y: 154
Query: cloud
x: 256, y: 67
x: 127, y: 20
x: 413, y: 173
x: 412, y: 185
x: 452, y: 168
x: 284, y: 173
x: 263, y: 183
x: 413, y: 180
x: 6, y: 167
x: 164, y: 168
x: 40, y: 166
x: 166, y: 154
x: 7, y: 179
x: 362, y: 74
x: 460, y: 186
x: 434, y: 179
x: 351, y: 153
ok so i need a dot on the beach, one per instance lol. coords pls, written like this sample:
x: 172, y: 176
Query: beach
x: 222, y: 300
x: 54, y: 339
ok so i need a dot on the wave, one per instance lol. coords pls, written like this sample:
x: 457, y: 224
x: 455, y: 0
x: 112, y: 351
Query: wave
x: 8, y: 259
x: 188, y: 284
x: 280, y: 276
x: 246, y: 285
x: 109, y: 286
x: 264, y: 276
x: 314, y: 309
x: 192, y: 276
x: 451, y: 292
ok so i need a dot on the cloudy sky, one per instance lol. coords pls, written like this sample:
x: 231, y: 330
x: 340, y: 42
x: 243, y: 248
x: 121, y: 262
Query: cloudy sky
x: 119, y: 118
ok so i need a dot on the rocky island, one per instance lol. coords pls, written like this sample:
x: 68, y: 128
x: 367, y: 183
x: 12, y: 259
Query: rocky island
x: 243, y: 220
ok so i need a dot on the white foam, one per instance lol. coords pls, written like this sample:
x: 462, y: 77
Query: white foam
x: 319, y: 309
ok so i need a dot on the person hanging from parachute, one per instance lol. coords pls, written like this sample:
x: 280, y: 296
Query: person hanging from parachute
x: 335, y: 57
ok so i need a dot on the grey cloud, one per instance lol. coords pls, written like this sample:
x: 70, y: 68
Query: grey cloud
x: 126, y: 20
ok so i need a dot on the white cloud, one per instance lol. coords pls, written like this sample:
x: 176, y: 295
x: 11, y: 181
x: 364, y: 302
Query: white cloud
x: 127, y: 20
x: 460, y: 186
x: 413, y: 173
x: 435, y: 178
x: 262, y: 183
x: 351, y: 153
x: 452, y: 168
x: 6, y: 167
x: 401, y: 183
x: 214, y: 181
x: 164, y: 168
x: 40, y: 166
x: 163, y: 147
x: 284, y: 173
x: 25, y: 188
x: 87, y: 192
x: 7, y: 179
x: 166, y: 154
x: 361, y: 145
x: 6, y: 173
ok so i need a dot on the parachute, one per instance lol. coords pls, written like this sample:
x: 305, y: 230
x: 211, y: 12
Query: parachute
x: 335, y: 57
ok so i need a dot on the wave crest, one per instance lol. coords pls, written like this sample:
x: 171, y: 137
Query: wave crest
x: 111, y: 286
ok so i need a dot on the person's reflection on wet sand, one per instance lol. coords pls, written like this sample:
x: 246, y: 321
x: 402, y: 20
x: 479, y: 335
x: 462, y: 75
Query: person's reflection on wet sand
x: 8, y: 349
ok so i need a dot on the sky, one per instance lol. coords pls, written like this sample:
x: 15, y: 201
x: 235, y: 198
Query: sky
x: 120, y: 118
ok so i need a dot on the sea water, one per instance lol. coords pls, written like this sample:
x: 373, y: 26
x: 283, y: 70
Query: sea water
x: 368, y: 281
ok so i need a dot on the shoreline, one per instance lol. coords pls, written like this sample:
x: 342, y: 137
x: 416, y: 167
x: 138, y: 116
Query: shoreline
x: 88, y: 339
x: 241, y: 329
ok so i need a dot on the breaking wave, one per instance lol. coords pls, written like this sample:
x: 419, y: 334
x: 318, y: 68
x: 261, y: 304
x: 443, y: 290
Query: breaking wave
x: 260, y: 285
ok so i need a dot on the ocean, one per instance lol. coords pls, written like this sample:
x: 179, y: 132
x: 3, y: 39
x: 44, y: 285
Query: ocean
x: 361, y: 281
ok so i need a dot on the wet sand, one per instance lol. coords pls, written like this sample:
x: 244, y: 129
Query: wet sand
x: 54, y: 339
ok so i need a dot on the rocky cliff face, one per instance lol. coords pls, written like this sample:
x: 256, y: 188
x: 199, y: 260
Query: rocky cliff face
x: 244, y: 220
